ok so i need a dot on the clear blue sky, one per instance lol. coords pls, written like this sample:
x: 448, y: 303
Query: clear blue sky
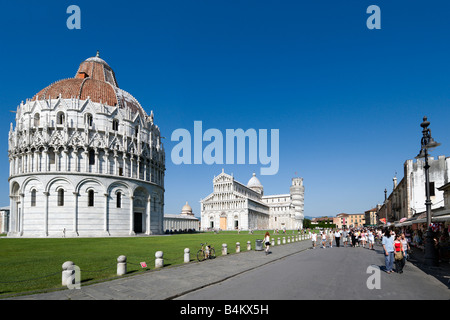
x: 348, y: 101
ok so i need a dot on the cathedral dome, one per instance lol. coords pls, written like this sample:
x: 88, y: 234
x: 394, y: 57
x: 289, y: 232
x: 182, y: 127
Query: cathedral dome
x: 254, y: 184
x: 94, y: 80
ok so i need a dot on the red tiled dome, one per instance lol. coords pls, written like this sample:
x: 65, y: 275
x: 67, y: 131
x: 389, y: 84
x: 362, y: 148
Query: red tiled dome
x: 96, y: 80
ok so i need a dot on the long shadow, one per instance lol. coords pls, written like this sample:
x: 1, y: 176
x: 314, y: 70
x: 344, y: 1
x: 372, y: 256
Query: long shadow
x: 441, y: 272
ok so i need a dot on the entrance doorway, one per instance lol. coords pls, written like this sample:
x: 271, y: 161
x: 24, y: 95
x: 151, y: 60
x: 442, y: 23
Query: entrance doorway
x: 138, y: 222
x: 223, y: 223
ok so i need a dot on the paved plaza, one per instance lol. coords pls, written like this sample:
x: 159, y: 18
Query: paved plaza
x: 292, y: 271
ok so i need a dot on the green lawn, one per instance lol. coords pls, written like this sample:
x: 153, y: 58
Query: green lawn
x: 36, y: 264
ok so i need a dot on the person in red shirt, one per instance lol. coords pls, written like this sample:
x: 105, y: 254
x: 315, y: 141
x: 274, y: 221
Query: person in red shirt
x: 398, y: 248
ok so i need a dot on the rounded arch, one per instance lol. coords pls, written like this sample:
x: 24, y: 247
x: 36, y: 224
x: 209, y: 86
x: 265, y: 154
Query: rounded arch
x: 87, y: 180
x: 15, y: 189
x: 55, y: 180
x: 119, y: 185
x: 26, y: 182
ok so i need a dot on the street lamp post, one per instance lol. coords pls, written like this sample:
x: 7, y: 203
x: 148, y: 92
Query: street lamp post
x: 427, y: 143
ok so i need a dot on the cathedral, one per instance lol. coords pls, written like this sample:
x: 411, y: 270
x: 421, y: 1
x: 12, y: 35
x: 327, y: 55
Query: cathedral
x: 235, y: 206
x: 85, y: 159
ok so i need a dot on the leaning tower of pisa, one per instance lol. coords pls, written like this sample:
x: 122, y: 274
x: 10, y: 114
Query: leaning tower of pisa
x: 297, y: 192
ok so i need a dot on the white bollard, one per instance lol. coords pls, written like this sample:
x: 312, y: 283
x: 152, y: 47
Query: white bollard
x: 159, y: 261
x: 224, y: 249
x: 284, y: 240
x: 68, y: 271
x: 121, y: 265
x: 187, y: 256
x: 273, y: 242
x: 278, y: 242
x: 289, y: 239
x: 238, y: 247
x: 249, y: 245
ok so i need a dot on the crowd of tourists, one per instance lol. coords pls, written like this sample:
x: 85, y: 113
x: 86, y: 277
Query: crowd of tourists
x: 395, y: 245
x: 364, y: 238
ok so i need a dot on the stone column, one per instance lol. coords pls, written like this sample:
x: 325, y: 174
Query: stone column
x: 46, y: 194
x: 66, y: 159
x: 138, y: 173
x: 97, y: 162
x: 124, y: 159
x: 28, y: 169
x: 105, y: 226
x: 132, y: 216
x: 75, y: 213
x: 46, y: 160
x: 106, y: 171
x: 36, y: 160
x: 149, y: 214
x: 131, y: 165
x: 57, y: 162
x: 116, y: 172
x: 22, y: 205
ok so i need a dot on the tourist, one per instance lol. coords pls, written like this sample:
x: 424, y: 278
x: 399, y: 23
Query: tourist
x: 406, y: 248
x: 344, y: 237
x: 267, y: 242
x: 313, y: 239
x: 388, y: 247
x: 370, y: 239
x: 354, y: 238
x: 337, y: 237
x: 363, y: 238
x: 398, y: 255
x: 330, y: 238
x: 324, y: 240
x: 358, y: 237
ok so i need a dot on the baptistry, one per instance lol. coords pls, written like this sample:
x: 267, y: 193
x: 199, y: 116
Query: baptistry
x: 85, y: 160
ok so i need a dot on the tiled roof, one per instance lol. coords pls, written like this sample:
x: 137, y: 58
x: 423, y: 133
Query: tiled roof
x: 96, y: 80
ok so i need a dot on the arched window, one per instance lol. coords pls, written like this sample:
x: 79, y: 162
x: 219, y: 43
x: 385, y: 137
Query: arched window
x: 115, y: 125
x: 61, y: 197
x: 119, y: 200
x: 90, y: 198
x: 37, y: 120
x: 136, y: 131
x: 88, y: 119
x: 60, y: 118
x: 33, y: 198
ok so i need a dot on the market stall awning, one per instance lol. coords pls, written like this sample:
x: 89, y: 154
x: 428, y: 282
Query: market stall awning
x: 441, y: 218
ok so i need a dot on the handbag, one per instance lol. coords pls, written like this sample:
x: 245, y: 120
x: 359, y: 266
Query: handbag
x: 398, y: 255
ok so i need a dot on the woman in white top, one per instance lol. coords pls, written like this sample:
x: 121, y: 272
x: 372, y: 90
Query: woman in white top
x: 371, y: 239
x: 324, y: 239
x: 267, y: 241
x: 363, y: 238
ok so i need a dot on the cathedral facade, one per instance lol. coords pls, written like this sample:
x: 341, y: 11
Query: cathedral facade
x: 235, y: 206
x: 85, y: 159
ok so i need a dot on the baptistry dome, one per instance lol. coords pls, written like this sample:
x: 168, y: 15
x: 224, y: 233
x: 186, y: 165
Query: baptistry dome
x: 94, y: 80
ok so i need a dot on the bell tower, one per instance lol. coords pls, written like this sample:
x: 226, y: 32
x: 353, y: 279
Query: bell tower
x: 297, y: 191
